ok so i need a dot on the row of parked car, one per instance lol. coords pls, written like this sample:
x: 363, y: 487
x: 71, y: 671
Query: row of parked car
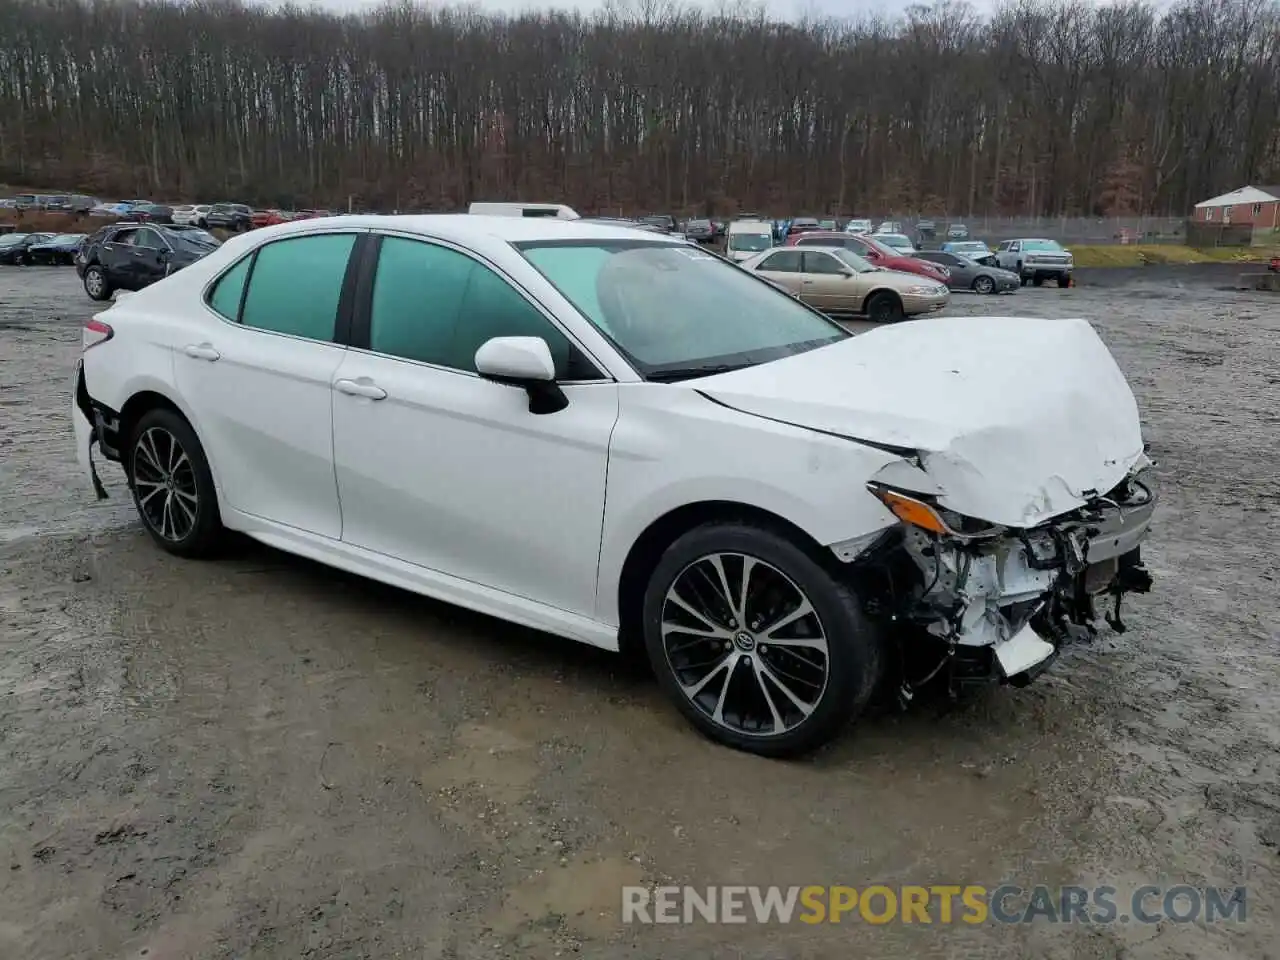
x: 235, y: 217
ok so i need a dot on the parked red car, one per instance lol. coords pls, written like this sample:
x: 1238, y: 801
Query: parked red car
x: 312, y: 214
x: 872, y: 250
x: 269, y: 218
x: 1275, y: 265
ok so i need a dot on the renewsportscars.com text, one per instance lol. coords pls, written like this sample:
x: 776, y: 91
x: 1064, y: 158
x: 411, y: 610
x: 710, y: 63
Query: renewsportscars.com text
x: 934, y: 904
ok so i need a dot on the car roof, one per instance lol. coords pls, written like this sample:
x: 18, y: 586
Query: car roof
x: 468, y: 226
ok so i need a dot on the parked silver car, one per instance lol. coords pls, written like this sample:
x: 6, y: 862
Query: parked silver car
x: 967, y: 273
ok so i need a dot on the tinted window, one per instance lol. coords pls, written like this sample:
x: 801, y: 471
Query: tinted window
x: 296, y: 285
x: 784, y: 261
x: 816, y: 262
x: 149, y: 239
x: 439, y: 306
x: 225, y: 297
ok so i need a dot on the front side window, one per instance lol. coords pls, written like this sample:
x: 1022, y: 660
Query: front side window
x: 676, y: 311
x: 295, y: 285
x: 439, y: 306
x: 149, y: 240
x: 816, y: 261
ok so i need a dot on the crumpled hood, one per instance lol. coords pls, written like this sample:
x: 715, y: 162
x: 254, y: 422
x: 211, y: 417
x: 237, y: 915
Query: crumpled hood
x: 1017, y: 419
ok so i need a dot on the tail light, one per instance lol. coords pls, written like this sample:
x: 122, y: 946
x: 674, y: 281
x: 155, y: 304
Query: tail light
x: 96, y: 332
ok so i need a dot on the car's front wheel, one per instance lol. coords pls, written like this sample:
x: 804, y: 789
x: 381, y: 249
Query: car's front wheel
x: 96, y: 284
x: 758, y: 645
x: 884, y: 308
x: 172, y: 484
x: 984, y: 285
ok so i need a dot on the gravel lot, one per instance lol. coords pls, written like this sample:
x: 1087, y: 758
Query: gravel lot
x: 260, y: 757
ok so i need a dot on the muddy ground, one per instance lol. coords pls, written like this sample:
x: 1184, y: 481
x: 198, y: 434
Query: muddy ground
x: 260, y: 757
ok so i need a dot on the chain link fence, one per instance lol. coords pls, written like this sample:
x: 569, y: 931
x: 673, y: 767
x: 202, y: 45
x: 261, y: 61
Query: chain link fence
x: 1082, y: 230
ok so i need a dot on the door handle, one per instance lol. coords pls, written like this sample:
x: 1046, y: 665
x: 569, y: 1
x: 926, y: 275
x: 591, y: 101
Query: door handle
x: 364, y: 387
x: 806, y: 282
x: 201, y: 351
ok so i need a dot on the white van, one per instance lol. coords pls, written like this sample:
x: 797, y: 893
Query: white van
x: 746, y: 238
x: 556, y: 210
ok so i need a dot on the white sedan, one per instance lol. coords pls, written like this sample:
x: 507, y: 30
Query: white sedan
x: 622, y: 439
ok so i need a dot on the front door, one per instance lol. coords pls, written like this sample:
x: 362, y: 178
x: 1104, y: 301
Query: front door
x: 444, y: 469
x: 833, y: 286
x: 260, y: 374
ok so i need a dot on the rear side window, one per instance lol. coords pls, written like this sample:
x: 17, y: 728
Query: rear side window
x: 227, y: 292
x: 296, y: 284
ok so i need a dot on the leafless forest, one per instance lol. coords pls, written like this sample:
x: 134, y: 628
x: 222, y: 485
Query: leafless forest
x: 1045, y: 107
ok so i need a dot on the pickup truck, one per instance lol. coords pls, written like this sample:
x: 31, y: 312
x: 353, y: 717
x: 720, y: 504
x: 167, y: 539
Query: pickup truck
x: 1036, y: 260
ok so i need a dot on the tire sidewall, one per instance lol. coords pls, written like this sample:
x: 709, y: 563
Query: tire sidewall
x: 208, y: 524
x: 106, y: 287
x: 855, y: 654
x: 892, y: 313
x: 984, y: 288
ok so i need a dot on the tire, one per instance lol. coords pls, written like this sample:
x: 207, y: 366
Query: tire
x: 1064, y: 280
x: 96, y: 284
x: 832, y: 658
x: 1038, y: 280
x: 182, y: 515
x: 984, y: 285
x: 884, y: 308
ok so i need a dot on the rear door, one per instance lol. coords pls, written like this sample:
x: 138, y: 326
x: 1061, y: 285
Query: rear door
x: 150, y: 254
x: 783, y: 268
x: 115, y: 254
x: 258, y: 374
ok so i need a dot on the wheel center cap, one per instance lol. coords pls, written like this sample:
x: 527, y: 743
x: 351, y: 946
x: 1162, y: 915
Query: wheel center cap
x: 744, y: 641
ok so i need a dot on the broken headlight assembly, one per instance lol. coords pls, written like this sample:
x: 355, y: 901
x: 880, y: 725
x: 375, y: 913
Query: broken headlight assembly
x: 919, y: 511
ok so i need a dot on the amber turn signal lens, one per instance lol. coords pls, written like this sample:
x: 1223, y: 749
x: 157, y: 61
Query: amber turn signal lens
x: 912, y: 511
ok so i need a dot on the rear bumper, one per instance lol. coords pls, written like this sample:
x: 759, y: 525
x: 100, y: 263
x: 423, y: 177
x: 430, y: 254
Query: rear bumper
x: 85, y: 422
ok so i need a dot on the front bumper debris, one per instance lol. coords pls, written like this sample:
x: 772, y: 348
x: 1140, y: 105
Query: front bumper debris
x: 999, y: 607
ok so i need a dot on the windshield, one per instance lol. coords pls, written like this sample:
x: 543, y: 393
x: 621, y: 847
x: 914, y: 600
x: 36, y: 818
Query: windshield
x: 975, y: 248
x: 674, y: 310
x: 755, y: 242
x: 12, y: 239
x: 896, y: 240
x: 1052, y: 246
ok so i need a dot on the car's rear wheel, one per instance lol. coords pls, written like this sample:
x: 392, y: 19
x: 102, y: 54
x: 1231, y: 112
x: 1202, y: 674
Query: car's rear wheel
x: 96, y: 284
x: 984, y: 285
x: 756, y: 643
x: 172, y: 484
x: 884, y: 308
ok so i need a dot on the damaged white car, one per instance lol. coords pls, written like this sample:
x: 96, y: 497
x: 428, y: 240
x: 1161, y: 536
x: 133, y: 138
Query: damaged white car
x: 624, y: 440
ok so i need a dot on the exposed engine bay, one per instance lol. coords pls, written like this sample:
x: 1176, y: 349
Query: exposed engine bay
x: 998, y: 603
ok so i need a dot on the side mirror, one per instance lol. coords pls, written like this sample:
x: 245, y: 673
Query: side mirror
x: 523, y: 362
